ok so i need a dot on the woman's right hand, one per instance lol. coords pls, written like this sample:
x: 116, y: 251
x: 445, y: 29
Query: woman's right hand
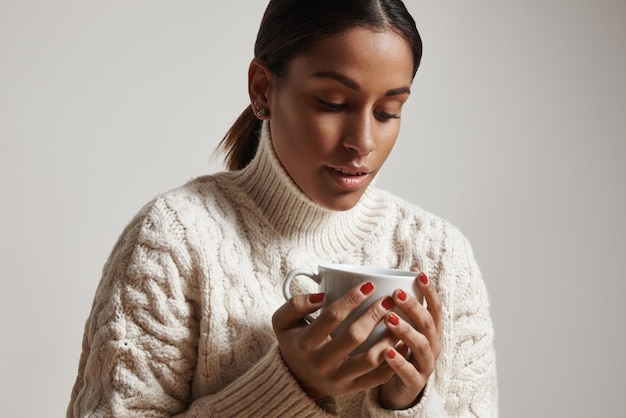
x: 322, y: 365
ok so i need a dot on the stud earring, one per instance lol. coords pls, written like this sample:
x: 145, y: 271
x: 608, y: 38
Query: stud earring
x: 259, y: 111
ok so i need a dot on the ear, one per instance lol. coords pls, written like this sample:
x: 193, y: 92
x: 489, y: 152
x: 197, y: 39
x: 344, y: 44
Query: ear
x: 259, y: 83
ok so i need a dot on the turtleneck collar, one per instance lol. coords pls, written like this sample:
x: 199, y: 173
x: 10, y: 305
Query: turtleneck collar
x: 293, y: 214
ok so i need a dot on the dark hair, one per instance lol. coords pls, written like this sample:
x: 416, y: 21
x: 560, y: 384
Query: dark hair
x: 292, y: 27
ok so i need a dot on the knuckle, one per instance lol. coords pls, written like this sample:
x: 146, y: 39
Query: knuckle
x: 373, y: 315
x: 425, y: 323
x: 422, y: 347
x: 372, y: 360
x: 304, y: 345
x: 338, y: 311
x: 381, y: 380
x: 333, y: 315
x: 353, y: 298
x: 428, y: 324
x: 294, y: 304
x: 354, y: 335
x: 412, y: 373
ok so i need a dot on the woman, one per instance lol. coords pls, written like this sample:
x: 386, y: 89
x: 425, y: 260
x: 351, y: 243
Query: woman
x: 189, y: 318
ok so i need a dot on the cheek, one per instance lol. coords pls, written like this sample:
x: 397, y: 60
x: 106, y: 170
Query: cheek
x: 387, y: 139
x: 295, y: 121
x: 316, y: 134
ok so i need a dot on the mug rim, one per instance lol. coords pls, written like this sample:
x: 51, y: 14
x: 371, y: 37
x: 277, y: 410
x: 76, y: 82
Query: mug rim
x: 369, y: 270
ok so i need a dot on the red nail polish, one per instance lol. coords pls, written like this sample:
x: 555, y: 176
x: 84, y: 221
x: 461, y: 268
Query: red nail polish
x: 402, y: 295
x: 391, y: 353
x: 423, y: 278
x: 393, y: 318
x: 388, y: 303
x: 316, y: 298
x: 367, y: 288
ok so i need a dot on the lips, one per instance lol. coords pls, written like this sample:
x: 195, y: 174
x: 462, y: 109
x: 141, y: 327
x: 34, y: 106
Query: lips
x: 349, y: 178
x: 349, y: 172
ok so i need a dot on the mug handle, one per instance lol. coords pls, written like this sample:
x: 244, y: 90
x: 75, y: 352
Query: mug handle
x: 297, y: 272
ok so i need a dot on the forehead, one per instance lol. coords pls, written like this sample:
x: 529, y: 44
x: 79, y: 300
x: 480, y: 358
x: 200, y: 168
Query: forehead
x: 358, y: 53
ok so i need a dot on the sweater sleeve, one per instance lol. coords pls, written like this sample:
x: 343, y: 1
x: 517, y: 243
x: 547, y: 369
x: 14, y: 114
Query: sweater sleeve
x: 140, y: 341
x: 266, y: 390
x: 464, y: 383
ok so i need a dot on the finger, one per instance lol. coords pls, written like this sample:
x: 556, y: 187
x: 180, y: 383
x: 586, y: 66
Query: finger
x: 412, y: 380
x: 422, y: 355
x: 376, y: 377
x: 433, y: 303
x: 364, y: 362
x: 388, y: 339
x: 421, y: 318
x: 409, y: 375
x: 334, y: 314
x: 347, y: 340
x: 367, y: 369
x: 293, y: 312
x: 433, y: 330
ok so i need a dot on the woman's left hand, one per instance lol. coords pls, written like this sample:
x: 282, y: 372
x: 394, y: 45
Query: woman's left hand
x: 405, y: 388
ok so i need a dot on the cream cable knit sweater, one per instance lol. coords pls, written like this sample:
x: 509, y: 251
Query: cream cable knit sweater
x: 181, y: 320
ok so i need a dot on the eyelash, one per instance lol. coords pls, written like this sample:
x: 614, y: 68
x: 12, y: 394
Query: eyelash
x: 332, y: 105
x: 335, y: 107
x: 386, y: 115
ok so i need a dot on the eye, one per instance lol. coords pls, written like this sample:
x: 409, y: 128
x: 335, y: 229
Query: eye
x: 387, y: 116
x: 333, y: 106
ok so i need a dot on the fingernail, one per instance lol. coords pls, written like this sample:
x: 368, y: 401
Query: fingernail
x: 423, y: 278
x: 391, y: 353
x: 393, y: 318
x: 316, y: 298
x: 388, y: 303
x: 367, y: 288
x: 402, y: 295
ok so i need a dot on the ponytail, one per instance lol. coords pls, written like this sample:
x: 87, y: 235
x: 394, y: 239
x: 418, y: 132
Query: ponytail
x: 241, y: 141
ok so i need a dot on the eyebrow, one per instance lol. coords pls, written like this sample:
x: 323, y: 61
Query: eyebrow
x: 350, y: 83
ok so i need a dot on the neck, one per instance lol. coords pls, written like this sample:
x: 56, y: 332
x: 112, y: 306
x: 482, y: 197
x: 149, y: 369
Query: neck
x: 293, y: 214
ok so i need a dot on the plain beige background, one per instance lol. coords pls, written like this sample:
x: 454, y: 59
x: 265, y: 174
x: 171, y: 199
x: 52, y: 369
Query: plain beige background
x: 516, y: 132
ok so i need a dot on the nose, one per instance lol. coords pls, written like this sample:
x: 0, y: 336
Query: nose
x: 359, y: 135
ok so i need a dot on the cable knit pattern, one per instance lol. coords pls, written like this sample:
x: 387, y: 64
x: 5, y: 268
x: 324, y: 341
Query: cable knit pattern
x: 181, y: 319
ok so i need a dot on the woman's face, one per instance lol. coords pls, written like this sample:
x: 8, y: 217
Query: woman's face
x: 335, y: 115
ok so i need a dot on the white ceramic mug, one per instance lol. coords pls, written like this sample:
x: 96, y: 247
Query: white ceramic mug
x: 336, y: 279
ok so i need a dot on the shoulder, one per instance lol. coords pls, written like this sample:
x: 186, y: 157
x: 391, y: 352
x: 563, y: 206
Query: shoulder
x: 432, y: 239
x: 170, y: 215
x: 198, y: 195
x: 196, y: 192
x: 412, y: 217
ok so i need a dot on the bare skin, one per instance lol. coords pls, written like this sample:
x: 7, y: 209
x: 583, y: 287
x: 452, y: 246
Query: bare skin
x: 322, y: 365
x: 334, y: 118
x: 335, y: 115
